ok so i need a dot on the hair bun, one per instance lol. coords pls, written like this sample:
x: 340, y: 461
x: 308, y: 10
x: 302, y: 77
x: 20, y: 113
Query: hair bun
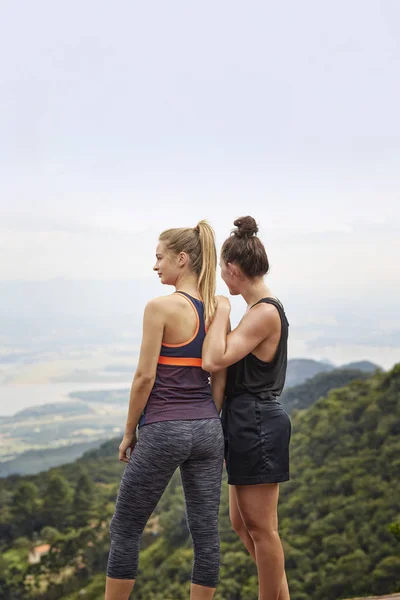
x: 246, y: 227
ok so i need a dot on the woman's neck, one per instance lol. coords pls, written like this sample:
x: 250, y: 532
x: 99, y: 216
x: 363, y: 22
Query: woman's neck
x: 188, y: 283
x: 253, y: 291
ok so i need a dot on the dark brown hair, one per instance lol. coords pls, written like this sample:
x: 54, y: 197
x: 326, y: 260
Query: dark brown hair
x: 244, y: 248
x: 199, y: 243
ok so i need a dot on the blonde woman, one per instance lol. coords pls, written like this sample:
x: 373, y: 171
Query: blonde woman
x: 177, y: 411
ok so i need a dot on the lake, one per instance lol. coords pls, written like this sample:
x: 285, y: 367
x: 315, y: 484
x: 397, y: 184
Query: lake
x: 18, y: 396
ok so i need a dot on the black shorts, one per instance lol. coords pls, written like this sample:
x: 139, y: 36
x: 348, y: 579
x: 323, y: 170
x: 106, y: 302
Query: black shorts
x: 257, y: 436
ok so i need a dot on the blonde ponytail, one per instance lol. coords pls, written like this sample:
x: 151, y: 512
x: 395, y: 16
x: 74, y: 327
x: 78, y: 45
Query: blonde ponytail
x: 199, y: 243
x: 207, y: 277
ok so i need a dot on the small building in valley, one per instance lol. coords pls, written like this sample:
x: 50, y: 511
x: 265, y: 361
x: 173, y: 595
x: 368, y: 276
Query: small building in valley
x: 36, y: 553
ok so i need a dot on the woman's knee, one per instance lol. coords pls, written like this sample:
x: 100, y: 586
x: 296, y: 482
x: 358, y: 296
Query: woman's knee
x: 204, y: 537
x: 238, y: 525
x: 123, y: 557
x: 262, y: 531
x: 118, y: 529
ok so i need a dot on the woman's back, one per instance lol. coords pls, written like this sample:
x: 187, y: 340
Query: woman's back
x: 182, y: 388
x: 181, y: 320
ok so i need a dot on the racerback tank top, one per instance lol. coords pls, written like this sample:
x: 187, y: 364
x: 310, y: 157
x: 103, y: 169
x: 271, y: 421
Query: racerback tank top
x: 252, y: 375
x: 182, y: 389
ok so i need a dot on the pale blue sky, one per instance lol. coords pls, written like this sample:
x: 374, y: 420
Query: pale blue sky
x: 121, y: 119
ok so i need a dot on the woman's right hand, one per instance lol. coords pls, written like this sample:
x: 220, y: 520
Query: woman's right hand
x: 128, y: 441
x: 223, y: 303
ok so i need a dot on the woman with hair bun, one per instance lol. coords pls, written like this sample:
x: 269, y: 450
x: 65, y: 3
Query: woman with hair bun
x: 257, y: 429
x: 177, y: 411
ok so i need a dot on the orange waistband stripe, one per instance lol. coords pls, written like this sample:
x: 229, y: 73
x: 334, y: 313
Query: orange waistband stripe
x: 179, y: 362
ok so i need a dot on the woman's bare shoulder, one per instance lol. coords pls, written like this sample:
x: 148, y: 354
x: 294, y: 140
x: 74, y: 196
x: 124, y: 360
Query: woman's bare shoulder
x: 164, y: 303
x: 263, y: 314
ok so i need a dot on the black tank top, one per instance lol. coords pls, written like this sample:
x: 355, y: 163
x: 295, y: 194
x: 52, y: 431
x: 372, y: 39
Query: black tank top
x: 257, y: 377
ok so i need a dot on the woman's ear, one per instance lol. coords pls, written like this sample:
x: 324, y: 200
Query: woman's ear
x: 182, y: 259
x: 234, y: 270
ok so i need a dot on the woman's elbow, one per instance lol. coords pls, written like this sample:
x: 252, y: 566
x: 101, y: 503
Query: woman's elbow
x: 210, y: 366
x: 144, y: 379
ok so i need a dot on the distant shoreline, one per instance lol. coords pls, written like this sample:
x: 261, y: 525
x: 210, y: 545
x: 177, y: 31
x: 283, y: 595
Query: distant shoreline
x: 15, y: 397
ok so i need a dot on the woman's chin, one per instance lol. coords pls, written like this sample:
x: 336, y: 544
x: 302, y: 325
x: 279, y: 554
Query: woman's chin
x: 234, y: 292
x: 165, y: 281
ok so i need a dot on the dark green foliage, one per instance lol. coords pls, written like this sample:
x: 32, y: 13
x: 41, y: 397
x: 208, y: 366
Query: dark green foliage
x: 49, y: 534
x: 395, y: 529
x: 24, y: 507
x: 83, y: 504
x: 57, y: 502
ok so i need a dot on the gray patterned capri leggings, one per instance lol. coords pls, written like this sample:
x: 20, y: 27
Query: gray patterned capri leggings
x: 197, y: 448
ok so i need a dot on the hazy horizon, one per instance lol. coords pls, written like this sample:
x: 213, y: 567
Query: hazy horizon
x: 68, y: 318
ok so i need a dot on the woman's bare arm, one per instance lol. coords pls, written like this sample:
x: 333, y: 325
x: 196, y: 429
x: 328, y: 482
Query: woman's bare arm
x: 221, y: 349
x: 143, y: 381
x: 218, y: 382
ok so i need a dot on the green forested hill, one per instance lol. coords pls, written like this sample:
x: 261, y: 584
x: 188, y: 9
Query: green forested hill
x: 35, y: 461
x: 335, y: 514
x: 303, y: 395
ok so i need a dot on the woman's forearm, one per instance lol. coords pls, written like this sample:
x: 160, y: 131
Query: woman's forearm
x: 218, y: 384
x: 140, y: 392
x: 214, y: 346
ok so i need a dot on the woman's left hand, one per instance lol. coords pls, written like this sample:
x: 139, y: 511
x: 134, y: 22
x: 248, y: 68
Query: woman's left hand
x: 128, y: 441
